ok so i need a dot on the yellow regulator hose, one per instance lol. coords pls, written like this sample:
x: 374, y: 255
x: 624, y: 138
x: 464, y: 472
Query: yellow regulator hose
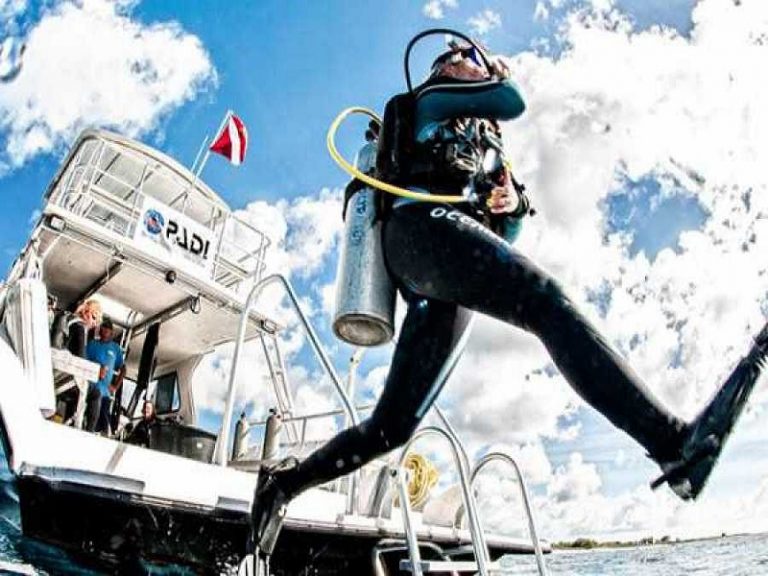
x: 365, y: 178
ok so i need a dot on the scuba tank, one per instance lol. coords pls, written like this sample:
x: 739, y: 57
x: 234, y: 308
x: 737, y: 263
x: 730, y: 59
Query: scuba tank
x: 365, y: 294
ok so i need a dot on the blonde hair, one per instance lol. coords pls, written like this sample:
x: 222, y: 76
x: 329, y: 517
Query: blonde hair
x: 91, y: 306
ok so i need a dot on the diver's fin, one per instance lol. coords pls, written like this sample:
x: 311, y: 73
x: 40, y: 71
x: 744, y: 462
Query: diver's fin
x: 688, y: 475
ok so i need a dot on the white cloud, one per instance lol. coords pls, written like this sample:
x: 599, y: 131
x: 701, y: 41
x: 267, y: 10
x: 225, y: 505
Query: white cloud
x: 435, y: 9
x: 91, y: 63
x: 303, y: 231
x: 484, y: 21
x: 574, y: 482
x: 619, y: 103
x: 11, y: 57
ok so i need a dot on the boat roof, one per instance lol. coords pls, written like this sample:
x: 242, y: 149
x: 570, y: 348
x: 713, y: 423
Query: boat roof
x: 129, y: 144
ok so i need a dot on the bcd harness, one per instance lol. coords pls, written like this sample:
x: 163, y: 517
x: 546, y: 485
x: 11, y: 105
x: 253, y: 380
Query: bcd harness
x: 457, y: 155
x: 443, y: 137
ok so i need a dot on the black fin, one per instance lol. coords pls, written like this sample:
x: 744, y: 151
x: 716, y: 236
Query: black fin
x: 710, y: 430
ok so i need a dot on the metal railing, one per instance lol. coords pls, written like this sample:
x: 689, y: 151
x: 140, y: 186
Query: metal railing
x: 502, y: 457
x: 297, y: 446
x: 107, y: 182
x: 479, y: 546
x: 222, y: 442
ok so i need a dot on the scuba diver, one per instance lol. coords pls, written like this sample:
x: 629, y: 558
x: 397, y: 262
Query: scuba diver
x: 449, y: 260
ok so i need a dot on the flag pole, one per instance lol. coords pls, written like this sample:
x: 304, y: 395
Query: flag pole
x: 208, y: 150
x: 203, y: 144
x: 199, y: 169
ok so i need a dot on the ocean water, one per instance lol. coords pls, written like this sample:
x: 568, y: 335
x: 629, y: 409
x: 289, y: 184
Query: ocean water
x: 728, y: 556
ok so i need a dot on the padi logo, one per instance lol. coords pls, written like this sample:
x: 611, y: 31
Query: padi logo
x: 154, y: 222
x: 174, y: 233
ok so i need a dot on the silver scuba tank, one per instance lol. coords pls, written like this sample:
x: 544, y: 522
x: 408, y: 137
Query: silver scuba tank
x: 272, y: 432
x: 365, y: 294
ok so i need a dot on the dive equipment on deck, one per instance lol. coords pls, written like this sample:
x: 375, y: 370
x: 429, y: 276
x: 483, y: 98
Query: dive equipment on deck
x: 272, y: 432
x: 365, y: 295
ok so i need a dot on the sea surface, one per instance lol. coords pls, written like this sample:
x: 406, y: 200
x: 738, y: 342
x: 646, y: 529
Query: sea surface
x: 745, y: 555
x: 727, y: 556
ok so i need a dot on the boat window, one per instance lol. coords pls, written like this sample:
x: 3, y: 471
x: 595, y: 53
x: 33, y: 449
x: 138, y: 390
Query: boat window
x: 129, y: 388
x: 166, y: 394
x: 163, y: 391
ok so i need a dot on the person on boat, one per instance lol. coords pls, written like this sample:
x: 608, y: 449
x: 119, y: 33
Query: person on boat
x: 71, y: 332
x: 108, y: 354
x: 141, y: 434
x: 449, y: 260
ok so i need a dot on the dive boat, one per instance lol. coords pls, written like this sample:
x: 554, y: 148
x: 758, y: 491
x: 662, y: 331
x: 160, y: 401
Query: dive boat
x: 178, y: 273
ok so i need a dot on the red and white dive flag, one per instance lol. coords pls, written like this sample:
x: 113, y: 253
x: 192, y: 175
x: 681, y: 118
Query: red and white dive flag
x: 232, y: 141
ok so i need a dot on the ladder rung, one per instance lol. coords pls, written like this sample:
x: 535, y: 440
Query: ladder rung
x: 428, y: 566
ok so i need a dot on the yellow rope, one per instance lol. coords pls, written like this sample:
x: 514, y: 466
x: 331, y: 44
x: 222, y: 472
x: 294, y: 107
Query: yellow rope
x: 365, y: 178
x: 423, y: 476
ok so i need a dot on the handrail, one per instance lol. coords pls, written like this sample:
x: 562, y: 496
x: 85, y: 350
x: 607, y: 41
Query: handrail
x: 501, y: 456
x: 482, y: 556
x: 300, y: 417
x: 245, y: 427
x: 220, y: 452
x: 222, y: 441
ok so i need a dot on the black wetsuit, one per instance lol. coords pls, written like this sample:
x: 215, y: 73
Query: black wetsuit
x: 447, y: 263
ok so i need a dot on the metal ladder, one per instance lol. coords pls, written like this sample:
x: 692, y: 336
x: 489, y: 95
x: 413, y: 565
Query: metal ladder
x: 414, y: 563
x: 482, y: 564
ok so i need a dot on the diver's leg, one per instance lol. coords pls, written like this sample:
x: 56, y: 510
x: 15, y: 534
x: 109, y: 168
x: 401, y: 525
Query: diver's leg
x: 430, y: 331
x: 443, y: 254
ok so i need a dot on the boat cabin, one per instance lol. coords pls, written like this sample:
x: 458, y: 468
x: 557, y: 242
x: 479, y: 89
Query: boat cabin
x: 165, y: 257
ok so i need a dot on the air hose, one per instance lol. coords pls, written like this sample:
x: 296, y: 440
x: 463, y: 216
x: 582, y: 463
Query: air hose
x: 370, y: 180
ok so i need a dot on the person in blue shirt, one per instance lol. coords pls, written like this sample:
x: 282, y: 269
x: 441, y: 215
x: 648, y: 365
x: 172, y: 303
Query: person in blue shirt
x: 109, y: 356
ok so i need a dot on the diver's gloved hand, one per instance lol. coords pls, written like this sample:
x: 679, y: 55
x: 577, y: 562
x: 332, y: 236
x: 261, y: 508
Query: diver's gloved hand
x: 499, y: 67
x: 507, y: 200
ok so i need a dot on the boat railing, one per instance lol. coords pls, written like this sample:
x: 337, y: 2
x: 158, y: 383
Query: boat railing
x: 221, y: 451
x: 245, y: 427
x: 507, y: 459
x: 115, y: 185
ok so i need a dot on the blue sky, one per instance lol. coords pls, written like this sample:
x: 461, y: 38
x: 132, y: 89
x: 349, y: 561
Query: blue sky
x: 288, y: 69
x: 625, y: 202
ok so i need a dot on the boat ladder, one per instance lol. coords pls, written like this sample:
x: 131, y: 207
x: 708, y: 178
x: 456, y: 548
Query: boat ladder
x: 482, y: 563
